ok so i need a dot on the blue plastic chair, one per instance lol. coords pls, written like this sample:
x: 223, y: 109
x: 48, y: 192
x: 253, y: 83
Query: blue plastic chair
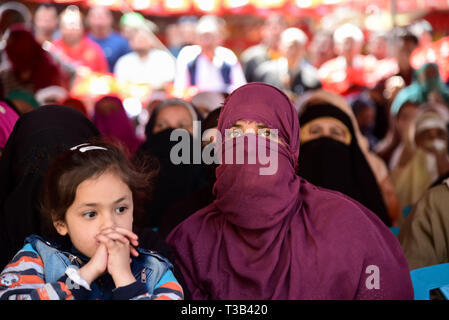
x: 445, y: 291
x: 395, y: 230
x: 429, y: 278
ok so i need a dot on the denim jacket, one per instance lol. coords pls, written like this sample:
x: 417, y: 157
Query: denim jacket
x: 148, y: 268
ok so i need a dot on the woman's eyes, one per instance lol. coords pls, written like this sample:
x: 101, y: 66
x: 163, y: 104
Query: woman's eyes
x: 315, y: 130
x: 185, y: 126
x: 160, y: 125
x: 234, y: 133
x: 337, y: 132
x: 266, y: 132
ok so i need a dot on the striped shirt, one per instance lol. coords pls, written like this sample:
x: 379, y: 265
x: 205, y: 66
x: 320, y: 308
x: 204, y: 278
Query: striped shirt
x: 24, y: 279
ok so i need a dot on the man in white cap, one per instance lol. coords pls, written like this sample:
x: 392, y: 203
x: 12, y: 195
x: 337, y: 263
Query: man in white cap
x: 208, y: 66
x: 351, y: 72
x: 291, y: 71
x: 146, y: 64
x: 267, y: 50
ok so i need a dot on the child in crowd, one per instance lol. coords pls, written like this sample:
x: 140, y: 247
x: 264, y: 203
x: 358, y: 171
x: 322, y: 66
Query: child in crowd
x: 88, y: 200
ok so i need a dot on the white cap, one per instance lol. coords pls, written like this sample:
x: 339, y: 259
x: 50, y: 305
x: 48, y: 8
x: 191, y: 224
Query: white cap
x: 291, y: 35
x: 348, y: 30
x: 56, y: 93
x: 209, y: 24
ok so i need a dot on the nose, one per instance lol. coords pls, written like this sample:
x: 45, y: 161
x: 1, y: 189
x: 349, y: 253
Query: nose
x: 108, y: 221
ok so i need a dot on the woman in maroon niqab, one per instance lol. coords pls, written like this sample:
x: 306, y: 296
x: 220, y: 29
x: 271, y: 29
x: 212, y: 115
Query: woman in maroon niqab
x: 278, y: 236
x: 30, y: 63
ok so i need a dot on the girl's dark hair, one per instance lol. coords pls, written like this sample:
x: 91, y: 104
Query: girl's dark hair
x: 74, y: 166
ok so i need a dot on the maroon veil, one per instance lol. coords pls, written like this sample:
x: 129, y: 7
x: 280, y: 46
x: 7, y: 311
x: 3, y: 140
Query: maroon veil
x: 278, y: 236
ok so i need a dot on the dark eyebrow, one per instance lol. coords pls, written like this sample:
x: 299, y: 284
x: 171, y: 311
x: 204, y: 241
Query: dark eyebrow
x: 263, y: 126
x: 236, y: 125
x: 120, y: 200
x: 95, y: 204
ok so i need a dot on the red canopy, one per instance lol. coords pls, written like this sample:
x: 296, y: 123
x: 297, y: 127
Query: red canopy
x: 259, y: 7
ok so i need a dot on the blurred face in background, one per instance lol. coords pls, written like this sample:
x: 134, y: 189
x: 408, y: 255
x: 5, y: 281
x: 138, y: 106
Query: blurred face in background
x: 272, y: 29
x: 141, y: 41
x: 406, y: 115
x: 173, y: 35
x: 99, y: 20
x: 321, y: 49
x: 293, y: 51
x: 378, y: 47
x: 348, y: 48
x: 209, y: 40
x: 187, y: 32
x: 432, y: 139
x: 72, y: 29
x: 366, y: 118
x: 46, y: 20
x: 404, y: 50
x: 175, y: 117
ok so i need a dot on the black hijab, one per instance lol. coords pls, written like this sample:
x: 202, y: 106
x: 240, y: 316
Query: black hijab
x: 37, y: 137
x: 187, y: 206
x: 174, y: 181
x: 334, y: 165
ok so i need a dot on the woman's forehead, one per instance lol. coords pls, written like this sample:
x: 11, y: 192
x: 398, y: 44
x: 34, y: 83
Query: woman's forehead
x: 328, y: 121
x: 172, y: 109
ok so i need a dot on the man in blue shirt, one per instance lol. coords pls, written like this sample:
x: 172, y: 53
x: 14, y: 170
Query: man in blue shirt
x: 114, y: 45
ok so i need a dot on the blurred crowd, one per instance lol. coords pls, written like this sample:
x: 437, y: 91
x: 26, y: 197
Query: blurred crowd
x: 373, y: 127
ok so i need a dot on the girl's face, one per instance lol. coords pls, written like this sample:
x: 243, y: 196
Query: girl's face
x: 175, y: 117
x: 101, y: 202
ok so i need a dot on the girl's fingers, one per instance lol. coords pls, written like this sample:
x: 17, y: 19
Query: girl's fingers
x: 133, y: 251
x: 108, y: 242
x: 132, y: 237
x: 114, y: 236
x: 117, y: 237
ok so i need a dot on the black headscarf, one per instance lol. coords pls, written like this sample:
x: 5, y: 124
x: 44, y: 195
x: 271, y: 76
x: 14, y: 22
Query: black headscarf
x: 334, y: 165
x: 184, y: 208
x: 174, y: 181
x: 37, y: 137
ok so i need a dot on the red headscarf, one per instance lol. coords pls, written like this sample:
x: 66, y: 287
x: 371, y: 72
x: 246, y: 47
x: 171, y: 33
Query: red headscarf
x: 26, y: 55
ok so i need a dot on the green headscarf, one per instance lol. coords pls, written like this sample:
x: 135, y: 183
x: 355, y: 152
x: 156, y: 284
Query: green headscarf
x: 132, y: 19
x: 23, y: 95
x: 418, y: 91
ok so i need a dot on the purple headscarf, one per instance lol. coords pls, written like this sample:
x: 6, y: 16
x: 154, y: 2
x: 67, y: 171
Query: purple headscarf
x: 112, y: 121
x: 278, y: 236
x: 8, y: 118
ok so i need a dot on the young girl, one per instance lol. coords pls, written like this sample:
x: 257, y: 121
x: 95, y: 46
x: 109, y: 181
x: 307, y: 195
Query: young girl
x: 89, y: 195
